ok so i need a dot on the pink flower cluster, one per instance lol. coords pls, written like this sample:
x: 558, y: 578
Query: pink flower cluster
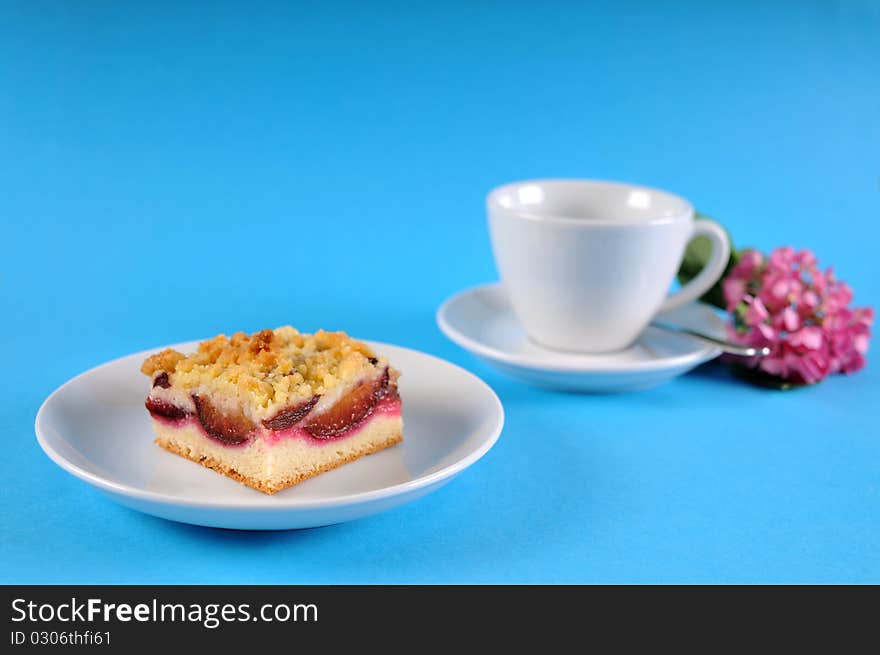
x: 785, y: 302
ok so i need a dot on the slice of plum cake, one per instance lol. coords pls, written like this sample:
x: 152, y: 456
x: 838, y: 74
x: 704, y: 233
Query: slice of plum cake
x: 276, y: 407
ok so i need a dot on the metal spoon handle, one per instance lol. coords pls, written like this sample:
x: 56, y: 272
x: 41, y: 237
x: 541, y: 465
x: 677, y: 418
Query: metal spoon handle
x: 726, y: 346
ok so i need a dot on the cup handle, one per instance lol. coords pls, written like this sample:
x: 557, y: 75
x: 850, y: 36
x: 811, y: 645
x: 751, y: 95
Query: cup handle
x: 711, y: 272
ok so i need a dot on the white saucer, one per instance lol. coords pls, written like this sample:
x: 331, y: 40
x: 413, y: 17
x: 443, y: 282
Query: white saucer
x: 482, y: 321
x: 95, y: 427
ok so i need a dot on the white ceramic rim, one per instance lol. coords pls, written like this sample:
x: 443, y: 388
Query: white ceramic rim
x: 488, y: 352
x: 686, y: 213
x: 349, y: 499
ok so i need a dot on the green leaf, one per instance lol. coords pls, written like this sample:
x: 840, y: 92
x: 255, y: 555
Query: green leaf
x: 695, y: 257
x: 762, y: 379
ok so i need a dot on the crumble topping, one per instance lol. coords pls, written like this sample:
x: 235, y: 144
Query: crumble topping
x: 267, y: 369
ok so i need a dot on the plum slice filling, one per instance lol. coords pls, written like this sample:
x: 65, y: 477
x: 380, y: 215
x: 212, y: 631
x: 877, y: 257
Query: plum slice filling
x: 292, y: 415
x: 351, y: 409
x: 162, y: 380
x: 170, y: 411
x: 236, y: 428
x: 231, y: 429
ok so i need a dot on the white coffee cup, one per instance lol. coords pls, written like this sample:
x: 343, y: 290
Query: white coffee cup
x: 587, y: 264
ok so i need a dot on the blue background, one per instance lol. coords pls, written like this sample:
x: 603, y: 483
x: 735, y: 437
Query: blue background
x: 170, y: 172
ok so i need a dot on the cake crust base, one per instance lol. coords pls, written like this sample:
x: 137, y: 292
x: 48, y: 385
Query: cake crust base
x: 214, y: 464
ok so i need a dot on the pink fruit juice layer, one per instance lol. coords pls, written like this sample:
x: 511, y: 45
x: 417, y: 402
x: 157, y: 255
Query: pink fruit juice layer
x: 344, y: 419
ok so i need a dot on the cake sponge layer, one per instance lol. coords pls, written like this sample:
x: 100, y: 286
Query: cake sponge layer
x: 272, y: 466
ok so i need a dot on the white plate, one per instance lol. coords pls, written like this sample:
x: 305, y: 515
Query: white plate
x: 482, y: 321
x: 95, y: 427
